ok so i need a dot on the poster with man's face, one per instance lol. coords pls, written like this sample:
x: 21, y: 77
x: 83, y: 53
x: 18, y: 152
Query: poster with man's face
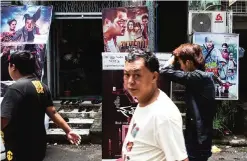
x: 221, y: 60
x: 25, y: 24
x: 125, y: 27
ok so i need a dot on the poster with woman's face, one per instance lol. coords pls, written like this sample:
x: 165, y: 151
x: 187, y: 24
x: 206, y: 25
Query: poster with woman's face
x: 125, y: 27
x: 25, y: 24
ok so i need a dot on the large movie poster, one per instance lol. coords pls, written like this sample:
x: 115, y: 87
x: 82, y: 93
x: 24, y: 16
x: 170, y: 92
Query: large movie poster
x: 221, y: 57
x: 118, y: 104
x: 125, y: 27
x: 25, y: 24
x: 23, y: 28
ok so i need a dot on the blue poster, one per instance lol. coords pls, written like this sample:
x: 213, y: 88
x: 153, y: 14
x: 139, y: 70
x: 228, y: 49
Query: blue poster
x: 221, y: 58
x: 25, y: 24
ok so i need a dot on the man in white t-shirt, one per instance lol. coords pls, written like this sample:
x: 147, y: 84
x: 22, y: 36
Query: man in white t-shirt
x: 155, y: 131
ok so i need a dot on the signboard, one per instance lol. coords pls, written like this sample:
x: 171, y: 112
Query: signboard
x: 221, y: 53
x: 113, y: 61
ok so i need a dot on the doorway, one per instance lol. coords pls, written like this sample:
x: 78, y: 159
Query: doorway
x: 78, y: 44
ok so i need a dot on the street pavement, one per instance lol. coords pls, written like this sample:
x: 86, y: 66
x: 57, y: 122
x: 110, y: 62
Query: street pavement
x: 92, y: 152
x: 228, y: 153
x: 64, y: 152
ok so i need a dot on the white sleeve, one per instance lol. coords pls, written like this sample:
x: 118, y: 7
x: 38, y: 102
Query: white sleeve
x: 170, y: 138
x: 112, y: 47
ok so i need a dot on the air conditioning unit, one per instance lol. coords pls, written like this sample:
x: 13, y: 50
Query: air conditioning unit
x: 208, y: 21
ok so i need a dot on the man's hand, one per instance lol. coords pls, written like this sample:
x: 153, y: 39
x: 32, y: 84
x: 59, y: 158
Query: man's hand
x: 171, y: 60
x: 73, y: 138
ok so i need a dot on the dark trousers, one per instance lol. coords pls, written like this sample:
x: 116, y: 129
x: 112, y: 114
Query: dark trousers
x: 197, y: 151
x: 198, y: 155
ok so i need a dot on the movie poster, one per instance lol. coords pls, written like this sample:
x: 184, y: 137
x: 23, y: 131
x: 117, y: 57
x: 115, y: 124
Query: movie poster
x: 118, y: 104
x: 125, y: 27
x: 23, y: 28
x: 221, y: 58
x: 24, y: 24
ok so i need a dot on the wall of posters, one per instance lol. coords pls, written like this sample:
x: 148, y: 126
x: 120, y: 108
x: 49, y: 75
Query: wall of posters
x: 118, y: 104
x: 125, y: 27
x: 221, y: 57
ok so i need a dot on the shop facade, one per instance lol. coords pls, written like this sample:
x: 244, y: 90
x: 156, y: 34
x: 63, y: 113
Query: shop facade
x: 73, y: 57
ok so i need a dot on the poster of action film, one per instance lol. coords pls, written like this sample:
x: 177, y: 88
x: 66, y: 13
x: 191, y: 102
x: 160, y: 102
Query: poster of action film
x: 23, y: 28
x: 25, y: 24
x: 221, y: 59
x: 118, y: 104
x: 125, y: 27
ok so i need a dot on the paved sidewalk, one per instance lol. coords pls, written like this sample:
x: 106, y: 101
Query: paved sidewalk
x: 92, y: 152
x: 66, y: 152
x: 229, y: 153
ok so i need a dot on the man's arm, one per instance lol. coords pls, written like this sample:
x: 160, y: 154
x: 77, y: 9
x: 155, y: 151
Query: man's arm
x: 57, y: 119
x: 179, y: 76
x: 10, y: 100
x: 4, y: 122
x: 170, y: 138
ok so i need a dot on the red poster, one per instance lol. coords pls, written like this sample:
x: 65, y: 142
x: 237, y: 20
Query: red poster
x: 125, y: 27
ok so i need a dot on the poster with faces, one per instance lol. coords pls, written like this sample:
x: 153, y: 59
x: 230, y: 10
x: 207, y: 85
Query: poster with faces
x: 125, y: 27
x: 23, y: 28
x: 221, y: 60
x: 25, y: 24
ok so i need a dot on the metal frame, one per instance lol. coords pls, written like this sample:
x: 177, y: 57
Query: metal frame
x: 78, y: 15
x: 52, y: 60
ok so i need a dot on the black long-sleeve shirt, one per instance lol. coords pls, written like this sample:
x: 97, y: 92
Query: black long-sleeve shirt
x: 199, y: 98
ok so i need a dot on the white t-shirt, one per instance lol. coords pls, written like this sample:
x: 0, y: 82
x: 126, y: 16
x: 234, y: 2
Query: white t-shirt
x: 155, y: 133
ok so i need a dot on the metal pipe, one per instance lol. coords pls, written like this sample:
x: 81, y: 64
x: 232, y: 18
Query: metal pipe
x: 77, y: 18
x: 78, y: 13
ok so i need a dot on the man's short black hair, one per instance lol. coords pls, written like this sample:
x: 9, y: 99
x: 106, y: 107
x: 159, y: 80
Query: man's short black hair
x: 151, y: 61
x: 111, y: 14
x: 24, y: 61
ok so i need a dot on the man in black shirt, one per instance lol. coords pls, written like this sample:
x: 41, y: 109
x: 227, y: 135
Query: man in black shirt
x: 187, y: 67
x: 23, y: 111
